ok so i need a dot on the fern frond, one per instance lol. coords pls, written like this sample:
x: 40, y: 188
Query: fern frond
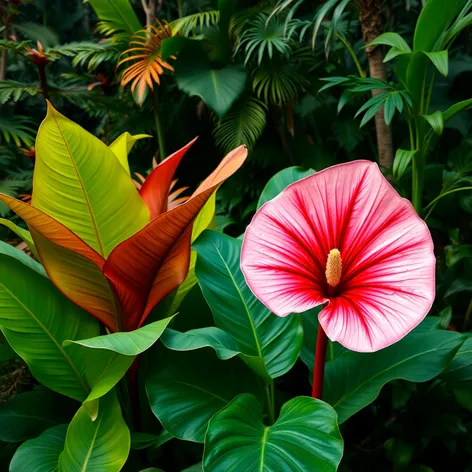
x: 9, y: 89
x: 278, y: 83
x: 186, y: 25
x: 147, y: 65
x: 17, y: 129
x: 243, y: 124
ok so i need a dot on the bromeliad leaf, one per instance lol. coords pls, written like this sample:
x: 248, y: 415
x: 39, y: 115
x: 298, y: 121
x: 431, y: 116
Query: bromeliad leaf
x: 305, y: 437
x: 99, y: 202
x: 256, y: 331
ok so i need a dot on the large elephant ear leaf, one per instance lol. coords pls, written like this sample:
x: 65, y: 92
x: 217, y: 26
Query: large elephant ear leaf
x: 79, y: 182
x: 305, y: 437
x: 36, y: 318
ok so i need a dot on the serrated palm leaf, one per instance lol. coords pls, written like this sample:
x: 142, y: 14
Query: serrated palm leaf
x: 244, y: 124
x: 278, y: 83
x: 187, y: 24
x: 145, y: 55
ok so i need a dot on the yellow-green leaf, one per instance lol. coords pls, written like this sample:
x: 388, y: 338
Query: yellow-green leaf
x: 79, y: 182
x: 21, y: 233
x: 122, y: 146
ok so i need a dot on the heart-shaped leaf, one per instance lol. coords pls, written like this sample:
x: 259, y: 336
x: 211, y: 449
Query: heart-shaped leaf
x: 304, y: 438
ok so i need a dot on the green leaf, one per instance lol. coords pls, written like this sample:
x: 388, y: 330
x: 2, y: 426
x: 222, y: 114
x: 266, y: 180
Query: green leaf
x: 79, y: 182
x: 218, y: 88
x: 257, y: 332
x: 21, y: 233
x: 402, y: 160
x: 334, y: 81
x: 36, y: 318
x: 29, y: 414
x: 392, y: 53
x: 456, y: 108
x: 42, y: 453
x: 436, y: 120
x: 129, y: 343
x: 141, y: 441
x: 440, y: 60
x: 122, y: 146
x: 185, y: 389
x: 390, y: 39
x: 280, y: 181
x: 416, y: 69
x: 305, y: 437
x: 118, y: 14
x: 353, y: 380
x: 460, y: 369
x: 434, y: 19
x: 102, y: 445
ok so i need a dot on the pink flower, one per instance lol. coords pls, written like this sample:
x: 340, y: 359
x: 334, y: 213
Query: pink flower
x: 343, y: 237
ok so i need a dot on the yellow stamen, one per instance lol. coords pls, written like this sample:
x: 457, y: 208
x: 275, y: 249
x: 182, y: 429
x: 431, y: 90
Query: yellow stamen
x: 334, y: 267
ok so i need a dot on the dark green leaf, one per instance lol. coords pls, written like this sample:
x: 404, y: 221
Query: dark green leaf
x: 456, y: 108
x: 391, y: 39
x: 258, y: 333
x: 402, y: 161
x: 42, y: 453
x: 353, y: 380
x: 436, y: 120
x: 305, y: 437
x: 440, y: 60
x: 185, y: 389
x: 118, y: 14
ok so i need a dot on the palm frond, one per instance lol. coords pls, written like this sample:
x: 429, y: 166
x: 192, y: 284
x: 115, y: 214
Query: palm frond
x: 243, y: 124
x: 115, y: 35
x: 263, y: 37
x: 187, y: 24
x: 10, y: 89
x: 278, y: 83
x: 90, y: 54
x: 17, y: 129
x: 148, y: 65
x: 14, y: 46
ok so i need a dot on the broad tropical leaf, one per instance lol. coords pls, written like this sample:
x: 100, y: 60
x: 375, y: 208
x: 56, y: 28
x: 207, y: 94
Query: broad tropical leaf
x: 305, y: 438
x: 163, y: 264
x: 118, y: 14
x: 122, y: 146
x: 42, y: 453
x: 101, y: 445
x: 353, y: 380
x: 36, y: 318
x: 257, y: 332
x: 185, y: 389
x: 22, y: 233
x: 99, y: 202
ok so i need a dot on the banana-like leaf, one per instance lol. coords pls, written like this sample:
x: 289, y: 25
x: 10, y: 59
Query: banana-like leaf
x: 119, y: 14
x: 35, y: 319
x: 164, y: 250
x: 122, y: 146
x: 79, y: 182
x: 155, y: 189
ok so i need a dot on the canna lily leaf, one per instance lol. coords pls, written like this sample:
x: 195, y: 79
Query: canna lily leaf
x: 22, y: 233
x: 122, y: 146
x: 78, y: 182
x: 164, y: 255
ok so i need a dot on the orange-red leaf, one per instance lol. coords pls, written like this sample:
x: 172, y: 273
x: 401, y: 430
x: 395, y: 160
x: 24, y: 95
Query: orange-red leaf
x: 154, y: 261
x: 155, y: 189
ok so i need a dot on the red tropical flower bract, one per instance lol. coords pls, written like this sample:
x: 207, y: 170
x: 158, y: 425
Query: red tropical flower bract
x: 345, y: 238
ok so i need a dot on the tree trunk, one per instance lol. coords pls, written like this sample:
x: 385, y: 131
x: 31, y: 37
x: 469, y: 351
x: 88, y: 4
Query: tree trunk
x: 150, y: 10
x: 370, y: 17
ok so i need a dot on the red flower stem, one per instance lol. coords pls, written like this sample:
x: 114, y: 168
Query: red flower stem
x: 134, y: 394
x: 320, y: 359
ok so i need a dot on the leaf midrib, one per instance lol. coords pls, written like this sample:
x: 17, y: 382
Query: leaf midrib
x: 342, y: 399
x: 79, y: 177
x: 92, y: 443
x: 58, y: 346
x: 254, y: 332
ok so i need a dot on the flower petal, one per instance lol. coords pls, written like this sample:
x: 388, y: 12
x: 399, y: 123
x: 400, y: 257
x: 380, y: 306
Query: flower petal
x: 155, y: 189
x: 388, y: 280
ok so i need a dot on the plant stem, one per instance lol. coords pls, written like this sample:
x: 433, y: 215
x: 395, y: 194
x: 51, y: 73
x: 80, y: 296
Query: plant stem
x: 269, y: 389
x: 160, y: 131
x: 353, y: 55
x: 320, y: 359
x: 43, y: 83
x: 432, y: 204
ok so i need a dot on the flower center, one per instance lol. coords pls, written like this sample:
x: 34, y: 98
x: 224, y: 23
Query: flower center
x: 334, y: 268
